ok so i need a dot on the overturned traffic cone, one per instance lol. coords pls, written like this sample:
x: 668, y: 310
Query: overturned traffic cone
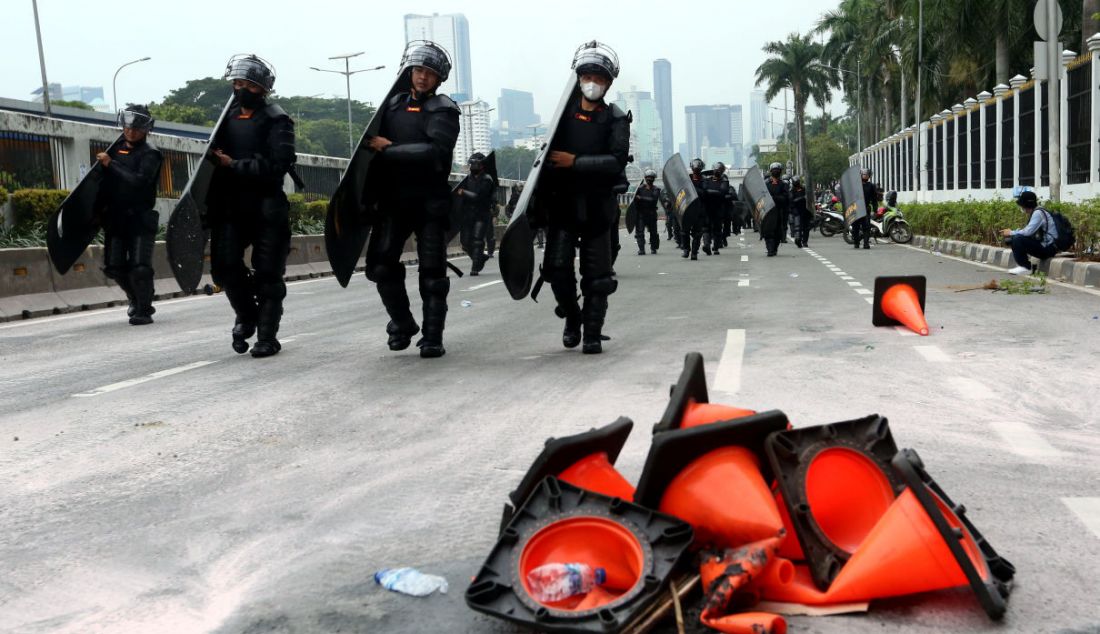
x: 900, y: 301
x: 689, y: 404
x: 714, y: 477
x: 728, y: 573
x: 638, y: 549
x: 836, y: 482
x: 585, y: 460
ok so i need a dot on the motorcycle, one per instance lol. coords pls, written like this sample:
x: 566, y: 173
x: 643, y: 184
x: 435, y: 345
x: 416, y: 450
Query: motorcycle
x: 828, y: 222
x: 888, y: 221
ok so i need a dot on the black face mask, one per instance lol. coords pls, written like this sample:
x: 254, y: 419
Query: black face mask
x: 776, y: 173
x: 248, y: 99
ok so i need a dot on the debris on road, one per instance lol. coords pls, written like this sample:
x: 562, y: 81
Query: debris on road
x: 467, y: 303
x: 410, y: 581
x: 821, y: 519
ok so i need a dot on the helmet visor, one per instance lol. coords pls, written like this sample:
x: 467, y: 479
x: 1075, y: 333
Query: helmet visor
x: 134, y: 120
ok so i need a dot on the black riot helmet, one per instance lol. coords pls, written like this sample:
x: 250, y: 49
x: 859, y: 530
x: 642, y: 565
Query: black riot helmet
x: 719, y: 168
x: 429, y: 55
x: 597, y: 59
x: 796, y: 181
x: 892, y: 198
x: 251, y: 68
x: 866, y: 171
x: 650, y: 176
x: 697, y: 165
x: 476, y: 162
x: 135, y: 117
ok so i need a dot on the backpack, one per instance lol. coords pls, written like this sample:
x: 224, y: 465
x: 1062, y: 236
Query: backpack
x: 1066, y: 236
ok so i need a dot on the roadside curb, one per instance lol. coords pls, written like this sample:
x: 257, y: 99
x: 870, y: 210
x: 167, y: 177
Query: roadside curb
x: 1062, y: 269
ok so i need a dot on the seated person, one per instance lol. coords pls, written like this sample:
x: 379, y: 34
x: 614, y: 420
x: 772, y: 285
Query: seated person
x: 1036, y: 239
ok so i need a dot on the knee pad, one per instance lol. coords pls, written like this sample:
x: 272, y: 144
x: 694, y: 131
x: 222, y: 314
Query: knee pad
x: 270, y: 287
x: 435, y: 285
x: 599, y: 286
x: 382, y: 273
x: 233, y: 274
x: 141, y: 272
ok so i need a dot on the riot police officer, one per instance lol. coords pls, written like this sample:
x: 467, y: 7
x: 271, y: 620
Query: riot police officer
x: 716, y: 194
x: 477, y: 216
x: 131, y: 171
x: 771, y: 228
x: 691, y: 231
x: 254, y: 150
x: 862, y: 227
x: 414, y: 151
x: 577, y: 196
x: 672, y: 223
x: 801, y: 216
x: 646, y: 198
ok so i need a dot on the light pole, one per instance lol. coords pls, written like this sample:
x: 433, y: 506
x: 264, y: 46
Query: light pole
x: 114, y: 80
x: 42, y: 61
x: 859, y: 96
x: 347, y: 73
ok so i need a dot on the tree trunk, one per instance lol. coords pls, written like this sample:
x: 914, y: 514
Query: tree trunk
x: 1089, y: 26
x: 1002, y: 59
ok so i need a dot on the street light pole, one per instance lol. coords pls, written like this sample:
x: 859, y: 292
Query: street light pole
x: 42, y: 61
x: 114, y: 80
x: 347, y: 73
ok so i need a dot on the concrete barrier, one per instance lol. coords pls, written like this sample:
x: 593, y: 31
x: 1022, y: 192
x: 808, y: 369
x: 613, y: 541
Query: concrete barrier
x: 86, y: 286
x: 26, y: 285
x: 1062, y: 269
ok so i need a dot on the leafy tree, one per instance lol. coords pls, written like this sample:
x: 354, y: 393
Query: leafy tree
x: 828, y: 159
x: 328, y: 137
x: 208, y: 94
x: 514, y: 162
x: 80, y: 105
x: 179, y: 114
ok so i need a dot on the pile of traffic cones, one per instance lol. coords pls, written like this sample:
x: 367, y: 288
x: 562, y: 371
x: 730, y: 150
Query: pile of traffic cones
x: 824, y: 518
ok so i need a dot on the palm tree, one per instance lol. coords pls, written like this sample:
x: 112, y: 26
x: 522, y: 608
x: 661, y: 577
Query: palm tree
x: 795, y: 64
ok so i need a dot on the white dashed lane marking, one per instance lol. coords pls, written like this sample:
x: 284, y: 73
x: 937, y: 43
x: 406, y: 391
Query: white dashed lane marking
x: 742, y: 282
x: 485, y: 285
x: 728, y: 376
x: 142, y: 379
x: 1023, y: 441
x: 1087, y: 510
x: 931, y: 353
x: 966, y: 386
x: 744, y: 258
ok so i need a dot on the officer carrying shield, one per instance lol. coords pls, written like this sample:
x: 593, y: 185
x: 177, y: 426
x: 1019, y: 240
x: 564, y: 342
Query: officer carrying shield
x: 646, y: 198
x: 691, y: 230
x: 772, y: 230
x: 716, y: 192
x: 131, y: 172
x: 477, y: 216
x: 587, y: 157
x: 862, y: 227
x: 414, y: 150
x: 254, y: 150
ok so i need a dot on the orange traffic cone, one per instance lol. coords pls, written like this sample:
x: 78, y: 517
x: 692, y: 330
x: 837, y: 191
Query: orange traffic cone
x: 688, y: 403
x: 585, y: 460
x: 900, y: 300
x: 729, y: 573
x: 748, y: 623
x: 714, y: 478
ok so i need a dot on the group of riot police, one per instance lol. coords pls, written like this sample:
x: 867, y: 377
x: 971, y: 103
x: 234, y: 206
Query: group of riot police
x: 397, y: 187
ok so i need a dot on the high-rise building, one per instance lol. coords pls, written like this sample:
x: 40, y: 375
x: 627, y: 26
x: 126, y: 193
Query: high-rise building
x: 452, y: 32
x: 715, y: 127
x: 737, y: 136
x: 646, y: 140
x: 474, y: 134
x: 662, y: 92
x: 758, y: 116
x: 515, y: 115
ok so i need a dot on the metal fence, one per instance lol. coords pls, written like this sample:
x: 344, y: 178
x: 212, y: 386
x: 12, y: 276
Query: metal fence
x: 26, y: 161
x: 320, y: 182
x: 174, y: 171
x: 1079, y: 108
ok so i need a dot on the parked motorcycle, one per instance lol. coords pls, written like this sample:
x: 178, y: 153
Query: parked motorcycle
x: 888, y: 221
x: 828, y: 222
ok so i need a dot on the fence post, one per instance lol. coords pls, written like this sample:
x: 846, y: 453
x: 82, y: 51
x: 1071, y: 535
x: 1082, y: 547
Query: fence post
x: 1037, y: 96
x: 1094, y: 119
x: 969, y: 105
x: 1063, y: 113
x: 998, y: 171
x: 946, y: 114
x: 1016, y: 82
x: 957, y: 111
x: 935, y: 162
x: 983, y: 97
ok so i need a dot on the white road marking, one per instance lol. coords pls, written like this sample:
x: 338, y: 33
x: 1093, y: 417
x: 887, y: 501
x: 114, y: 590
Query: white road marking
x: 902, y: 330
x: 847, y: 277
x: 932, y: 353
x: 143, y: 379
x: 1022, y: 440
x: 1087, y: 510
x: 485, y: 285
x: 853, y: 284
x: 744, y: 258
x: 742, y: 282
x: 870, y: 300
x: 864, y: 291
x: 968, y: 387
x: 728, y: 377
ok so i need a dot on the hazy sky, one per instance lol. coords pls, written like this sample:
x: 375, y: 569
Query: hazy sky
x: 714, y: 48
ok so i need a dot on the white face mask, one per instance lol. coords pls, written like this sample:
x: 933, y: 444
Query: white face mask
x: 592, y: 91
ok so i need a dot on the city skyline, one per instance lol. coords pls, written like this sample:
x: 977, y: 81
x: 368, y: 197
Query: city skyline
x: 452, y: 32
x: 662, y: 92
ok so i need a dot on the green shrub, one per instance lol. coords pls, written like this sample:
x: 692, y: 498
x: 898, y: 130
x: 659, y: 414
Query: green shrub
x: 982, y: 221
x: 317, y: 210
x: 35, y: 205
x: 307, y: 218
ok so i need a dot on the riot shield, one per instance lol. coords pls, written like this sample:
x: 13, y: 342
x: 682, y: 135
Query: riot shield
x: 517, y: 253
x: 72, y: 227
x: 851, y: 195
x: 456, y: 218
x: 631, y: 217
x: 759, y: 198
x: 681, y: 191
x: 185, y: 240
x: 351, y: 209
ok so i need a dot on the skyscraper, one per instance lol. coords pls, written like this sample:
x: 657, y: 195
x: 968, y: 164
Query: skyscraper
x: 737, y: 136
x: 452, y: 32
x: 515, y: 113
x: 662, y: 92
x: 646, y: 136
x: 712, y: 126
x: 758, y: 116
x: 474, y: 133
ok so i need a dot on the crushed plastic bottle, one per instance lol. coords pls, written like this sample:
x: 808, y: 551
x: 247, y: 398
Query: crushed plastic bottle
x: 467, y: 303
x: 554, y: 582
x: 410, y: 581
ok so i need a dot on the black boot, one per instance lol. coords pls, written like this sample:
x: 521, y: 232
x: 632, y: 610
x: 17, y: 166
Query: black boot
x: 685, y: 253
x: 267, y: 328
x: 593, y: 313
x: 433, y: 292
x: 402, y: 327
x: 242, y: 298
x: 141, y: 305
x: 570, y: 310
x: 242, y: 332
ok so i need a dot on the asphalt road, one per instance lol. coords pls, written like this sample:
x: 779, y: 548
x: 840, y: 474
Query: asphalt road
x: 151, y: 480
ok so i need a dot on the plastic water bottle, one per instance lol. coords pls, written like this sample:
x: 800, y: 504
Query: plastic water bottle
x: 410, y: 581
x: 554, y: 582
